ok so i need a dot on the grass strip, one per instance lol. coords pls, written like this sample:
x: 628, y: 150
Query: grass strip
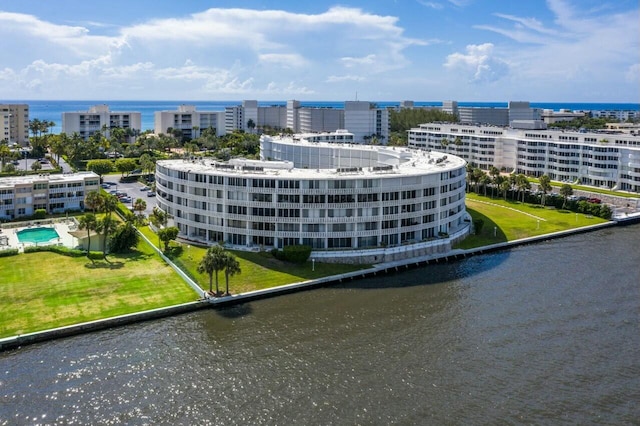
x: 512, y: 220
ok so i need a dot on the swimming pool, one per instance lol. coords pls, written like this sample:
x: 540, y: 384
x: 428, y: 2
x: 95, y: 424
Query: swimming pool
x: 37, y: 235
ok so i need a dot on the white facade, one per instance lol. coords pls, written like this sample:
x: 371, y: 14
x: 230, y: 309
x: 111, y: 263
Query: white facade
x: 320, y: 120
x: 328, y: 196
x: 364, y: 121
x: 86, y: 123
x: 189, y: 121
x: 602, y: 159
x: 21, y: 196
x: 14, y: 127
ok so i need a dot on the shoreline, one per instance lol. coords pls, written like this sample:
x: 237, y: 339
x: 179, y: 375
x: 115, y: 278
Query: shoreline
x: 17, y: 341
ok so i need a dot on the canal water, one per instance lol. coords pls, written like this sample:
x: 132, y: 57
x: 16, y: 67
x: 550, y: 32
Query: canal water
x: 542, y: 334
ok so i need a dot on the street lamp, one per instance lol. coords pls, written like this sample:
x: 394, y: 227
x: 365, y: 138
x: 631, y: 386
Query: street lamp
x: 313, y: 265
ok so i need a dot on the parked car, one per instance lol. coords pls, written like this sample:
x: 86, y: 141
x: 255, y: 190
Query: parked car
x: 151, y: 194
x: 144, y: 188
x: 125, y: 199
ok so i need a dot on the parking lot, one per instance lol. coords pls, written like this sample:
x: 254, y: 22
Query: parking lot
x: 133, y: 191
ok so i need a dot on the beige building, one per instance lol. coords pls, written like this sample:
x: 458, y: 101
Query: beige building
x: 21, y: 196
x: 86, y: 123
x: 14, y: 124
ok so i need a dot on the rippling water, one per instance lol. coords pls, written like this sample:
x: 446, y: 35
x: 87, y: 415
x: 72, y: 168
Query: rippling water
x: 542, y: 334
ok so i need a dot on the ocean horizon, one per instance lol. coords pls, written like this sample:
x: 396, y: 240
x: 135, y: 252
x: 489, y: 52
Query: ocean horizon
x: 51, y: 110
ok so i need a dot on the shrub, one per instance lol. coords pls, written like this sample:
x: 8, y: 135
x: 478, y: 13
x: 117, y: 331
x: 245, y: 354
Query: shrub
x: 39, y: 213
x: 478, y: 224
x: 65, y: 251
x: 293, y: 254
x: 9, y: 252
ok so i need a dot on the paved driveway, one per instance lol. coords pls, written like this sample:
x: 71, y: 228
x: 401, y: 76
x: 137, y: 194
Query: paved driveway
x: 133, y: 190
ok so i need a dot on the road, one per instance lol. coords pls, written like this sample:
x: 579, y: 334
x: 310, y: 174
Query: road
x: 133, y: 190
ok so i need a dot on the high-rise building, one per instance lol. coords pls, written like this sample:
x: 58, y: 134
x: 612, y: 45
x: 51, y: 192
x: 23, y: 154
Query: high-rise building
x: 366, y: 121
x: 14, y: 127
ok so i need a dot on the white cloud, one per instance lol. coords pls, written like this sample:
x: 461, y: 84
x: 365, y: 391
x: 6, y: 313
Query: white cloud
x: 479, y: 63
x: 147, y: 53
x: 365, y: 60
x: 633, y: 74
x: 342, y: 78
x: 285, y: 60
x: 431, y: 4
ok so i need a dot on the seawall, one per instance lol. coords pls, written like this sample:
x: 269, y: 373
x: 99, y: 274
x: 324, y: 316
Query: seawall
x: 381, y: 268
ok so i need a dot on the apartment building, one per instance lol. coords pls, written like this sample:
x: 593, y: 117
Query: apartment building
x: 362, y: 119
x: 97, y: 118
x: 14, y: 123
x: 326, y: 195
x: 21, y: 196
x: 189, y: 121
x: 606, y: 159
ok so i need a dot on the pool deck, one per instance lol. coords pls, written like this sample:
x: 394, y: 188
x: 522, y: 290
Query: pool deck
x: 9, y: 236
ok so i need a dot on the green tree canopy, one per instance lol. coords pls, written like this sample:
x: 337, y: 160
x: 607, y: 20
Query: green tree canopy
x: 167, y: 235
x: 125, y: 165
x: 100, y: 167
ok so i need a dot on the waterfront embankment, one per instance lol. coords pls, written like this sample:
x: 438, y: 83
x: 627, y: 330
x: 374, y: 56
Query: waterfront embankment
x: 378, y: 269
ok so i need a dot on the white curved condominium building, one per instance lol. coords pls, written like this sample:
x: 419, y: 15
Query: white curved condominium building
x: 328, y: 196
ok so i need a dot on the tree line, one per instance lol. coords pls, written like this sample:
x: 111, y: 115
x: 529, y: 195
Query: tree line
x: 517, y: 187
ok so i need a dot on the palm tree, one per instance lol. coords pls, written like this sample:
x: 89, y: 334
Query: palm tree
x: 109, y: 204
x: 494, y: 172
x: 566, y: 191
x: 5, y: 152
x: 251, y: 125
x: 107, y: 226
x: 484, y: 181
x: 544, y: 185
x: 212, y: 262
x: 139, y: 205
x: 88, y: 222
x: 477, y: 176
x: 523, y: 184
x: 94, y: 200
x: 505, y: 186
x: 231, y: 267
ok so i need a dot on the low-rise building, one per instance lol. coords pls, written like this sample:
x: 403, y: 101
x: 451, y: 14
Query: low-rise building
x: 606, y: 159
x: 21, y: 196
x: 99, y: 118
x: 189, y: 122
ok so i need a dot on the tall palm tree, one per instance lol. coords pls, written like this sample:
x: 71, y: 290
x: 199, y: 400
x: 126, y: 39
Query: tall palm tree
x: 88, y: 222
x: 494, y: 172
x: 212, y: 262
x: 544, y: 185
x: 505, y: 186
x: 5, y: 152
x: 107, y: 226
x: 566, y: 191
x: 109, y: 203
x: 231, y: 267
x: 523, y: 184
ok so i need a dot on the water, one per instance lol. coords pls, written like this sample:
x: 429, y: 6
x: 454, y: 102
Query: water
x: 52, y: 110
x: 37, y: 235
x: 542, y: 334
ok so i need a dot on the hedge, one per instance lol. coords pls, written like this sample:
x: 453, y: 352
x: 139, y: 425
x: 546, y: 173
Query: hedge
x: 8, y: 252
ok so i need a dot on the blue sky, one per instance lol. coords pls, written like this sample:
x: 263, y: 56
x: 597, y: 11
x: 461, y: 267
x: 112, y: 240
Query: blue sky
x: 424, y: 50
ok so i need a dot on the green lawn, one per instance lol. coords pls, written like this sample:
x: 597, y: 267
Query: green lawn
x: 514, y: 220
x: 46, y: 290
